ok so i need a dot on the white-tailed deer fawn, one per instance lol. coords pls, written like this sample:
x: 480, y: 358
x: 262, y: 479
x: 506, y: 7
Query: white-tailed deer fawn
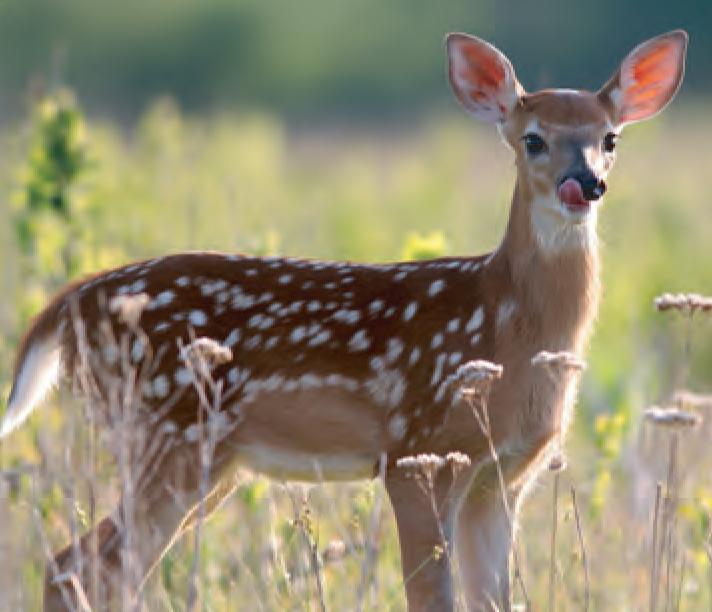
x: 316, y: 370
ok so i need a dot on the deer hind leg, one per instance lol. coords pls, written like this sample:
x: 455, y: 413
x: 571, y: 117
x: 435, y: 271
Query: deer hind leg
x: 112, y: 562
x: 425, y: 518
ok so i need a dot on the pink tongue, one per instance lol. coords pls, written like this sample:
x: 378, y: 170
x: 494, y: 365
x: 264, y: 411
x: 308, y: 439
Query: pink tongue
x: 571, y: 194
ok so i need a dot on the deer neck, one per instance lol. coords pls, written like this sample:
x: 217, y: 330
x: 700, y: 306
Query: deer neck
x: 553, y: 268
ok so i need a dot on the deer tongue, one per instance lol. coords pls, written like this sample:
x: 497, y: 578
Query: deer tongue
x: 571, y: 194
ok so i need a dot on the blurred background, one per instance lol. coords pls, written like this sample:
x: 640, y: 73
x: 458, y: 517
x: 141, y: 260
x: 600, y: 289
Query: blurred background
x: 315, y: 59
x: 327, y: 129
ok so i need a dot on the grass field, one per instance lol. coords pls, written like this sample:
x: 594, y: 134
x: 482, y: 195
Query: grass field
x: 375, y: 193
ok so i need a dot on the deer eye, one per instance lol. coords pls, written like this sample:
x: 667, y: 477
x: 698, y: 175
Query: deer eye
x: 534, y: 144
x: 609, y: 142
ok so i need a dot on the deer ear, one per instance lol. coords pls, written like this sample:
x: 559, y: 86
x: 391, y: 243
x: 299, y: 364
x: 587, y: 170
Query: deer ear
x: 482, y: 78
x: 648, y: 78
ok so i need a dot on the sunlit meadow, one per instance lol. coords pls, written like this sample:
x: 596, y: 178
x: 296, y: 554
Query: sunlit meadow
x: 373, y: 193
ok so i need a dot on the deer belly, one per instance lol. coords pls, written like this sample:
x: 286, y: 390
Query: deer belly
x: 311, y: 435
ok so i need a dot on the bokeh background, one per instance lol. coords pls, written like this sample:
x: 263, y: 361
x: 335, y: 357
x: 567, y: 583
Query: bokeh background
x: 327, y: 129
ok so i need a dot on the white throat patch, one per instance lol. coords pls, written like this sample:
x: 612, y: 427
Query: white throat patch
x: 556, y: 229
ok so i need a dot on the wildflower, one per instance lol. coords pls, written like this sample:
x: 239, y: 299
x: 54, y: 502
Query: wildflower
x: 206, y: 352
x: 684, y: 302
x: 563, y: 360
x: 458, y: 460
x: 557, y: 462
x: 675, y: 418
x: 427, y: 464
x: 478, y: 370
x: 334, y: 551
x: 129, y: 307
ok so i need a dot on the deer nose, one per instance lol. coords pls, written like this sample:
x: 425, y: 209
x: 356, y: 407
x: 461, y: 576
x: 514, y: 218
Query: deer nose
x: 592, y: 187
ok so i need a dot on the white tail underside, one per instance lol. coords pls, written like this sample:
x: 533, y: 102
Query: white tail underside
x: 37, y: 374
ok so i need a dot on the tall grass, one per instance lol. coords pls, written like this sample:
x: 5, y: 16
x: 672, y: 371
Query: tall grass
x: 246, y: 182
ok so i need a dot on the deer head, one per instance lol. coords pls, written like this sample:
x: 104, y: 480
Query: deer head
x: 564, y: 140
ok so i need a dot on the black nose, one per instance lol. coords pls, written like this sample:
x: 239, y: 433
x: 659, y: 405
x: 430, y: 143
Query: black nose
x: 593, y: 188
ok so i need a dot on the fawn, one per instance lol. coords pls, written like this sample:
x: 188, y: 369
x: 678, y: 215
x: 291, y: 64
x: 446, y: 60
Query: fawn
x: 334, y: 370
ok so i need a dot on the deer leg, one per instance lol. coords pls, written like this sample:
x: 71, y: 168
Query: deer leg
x: 424, y: 516
x: 115, y: 558
x: 484, y: 533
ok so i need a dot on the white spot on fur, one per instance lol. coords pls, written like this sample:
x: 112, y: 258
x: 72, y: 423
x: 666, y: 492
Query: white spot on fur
x: 161, y: 387
x: 453, y: 325
x: 271, y: 343
x: 350, y: 317
x: 397, y: 426
x: 233, y: 337
x: 476, y: 320
x: 359, y: 341
x: 183, y: 377
x: 504, y: 312
x: 438, y: 369
x: 137, y: 350
x: 387, y: 387
x: 436, y: 287
x: 410, y: 311
x: 455, y: 358
x: 285, y: 279
x: 437, y: 341
x: 394, y: 348
x: 197, y: 318
x: 298, y: 334
x: 183, y: 281
x: 252, y: 342
x: 375, y: 306
x: 162, y: 299
x: 320, y: 338
x: 414, y: 356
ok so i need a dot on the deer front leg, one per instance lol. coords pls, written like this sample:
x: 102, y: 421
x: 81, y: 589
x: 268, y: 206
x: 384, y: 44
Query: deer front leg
x: 424, y: 517
x: 484, y: 535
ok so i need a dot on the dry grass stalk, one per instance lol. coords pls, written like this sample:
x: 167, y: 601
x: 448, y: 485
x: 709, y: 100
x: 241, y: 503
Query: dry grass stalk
x: 686, y: 303
x: 671, y: 417
x: 562, y: 361
x: 582, y: 546
x: 303, y: 522
x: 129, y: 307
x: 476, y: 378
x: 552, y: 544
x: 370, y: 544
x: 204, y: 354
x: 654, y: 565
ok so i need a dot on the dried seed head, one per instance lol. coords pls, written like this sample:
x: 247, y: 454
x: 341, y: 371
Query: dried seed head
x: 562, y: 360
x: 457, y: 461
x: 477, y: 370
x: 427, y: 464
x: 673, y: 418
x: 687, y: 303
x: 475, y: 376
x: 129, y: 307
x: 334, y: 551
x: 557, y: 463
x: 206, y: 352
x: 683, y: 397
